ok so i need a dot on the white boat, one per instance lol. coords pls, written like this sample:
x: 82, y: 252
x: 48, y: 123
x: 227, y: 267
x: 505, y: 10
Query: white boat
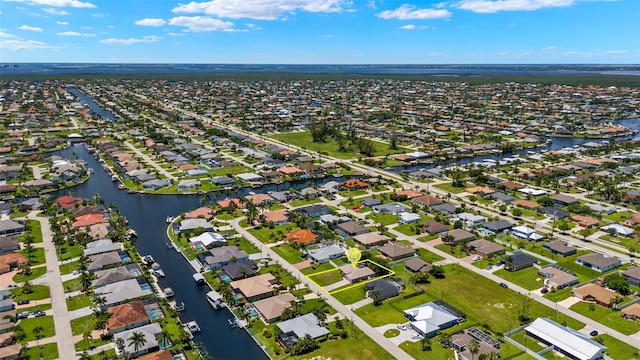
x: 148, y: 260
x: 199, y: 279
x: 215, y: 300
x: 193, y: 326
x: 337, y: 175
x: 169, y: 219
x: 132, y: 233
x: 114, y: 178
x: 168, y: 292
x: 158, y: 273
x: 179, y: 307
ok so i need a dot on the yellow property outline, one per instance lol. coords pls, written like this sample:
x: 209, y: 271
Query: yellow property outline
x: 391, y: 272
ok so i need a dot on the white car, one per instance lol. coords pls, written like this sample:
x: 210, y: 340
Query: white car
x: 475, y: 258
x: 401, y: 327
x: 416, y: 336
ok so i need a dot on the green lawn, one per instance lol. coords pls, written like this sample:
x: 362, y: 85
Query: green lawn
x: 303, y: 202
x: 449, y: 188
x: 383, y: 218
x: 230, y: 170
x: 327, y: 278
x: 70, y: 252
x: 35, y: 273
x: 617, y: 349
x: 428, y: 237
x: 319, y: 268
x: 39, y: 292
x: 78, y: 302
x: 264, y: 234
x: 559, y: 295
x: 43, y: 352
x: 29, y: 324
x: 608, y: 317
x: 452, y: 250
x: 32, y: 227
x: 288, y: 253
x: 72, y: 285
x: 408, y: 229
x: 37, y: 257
x: 351, y: 296
x: 428, y: 256
x: 68, y: 268
x: 82, y: 324
x: 619, y: 216
x: 507, y: 351
x: 330, y: 147
x: 244, y: 244
x: 527, y: 278
x: 42, y: 307
x: 386, y: 313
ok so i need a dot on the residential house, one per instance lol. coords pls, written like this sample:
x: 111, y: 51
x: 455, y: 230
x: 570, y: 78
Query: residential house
x: 631, y: 312
x: 501, y: 198
x: 381, y: 289
x: 371, y: 239
x: 221, y: 256
x: 11, y: 227
x: 127, y: 316
x: 206, y: 213
x: 240, y: 269
x: 430, y: 318
x: 563, y: 200
x: 486, y: 248
x: 314, y: 210
x: 444, y: 208
x: 471, y: 219
x: 417, y: 265
x: 11, y: 261
x: 585, y: 221
x: 619, y: 229
x: 632, y: 274
x: 88, y: 220
x: 101, y: 246
x: 593, y: 292
x: 293, y: 329
x: 555, y: 213
x: 113, y: 275
x: 271, y: 308
x: 396, y: 251
x: 207, y: 240
x: 155, y: 184
x: 560, y: 247
x: 486, y: 344
x: 426, y: 201
x: 193, y: 224
x: 221, y: 180
x: 527, y: 204
x: 323, y: 254
x: 518, y: 261
x: 458, y: 235
x: 349, y: 229
x: 9, y: 244
x: 599, y: 262
x: 565, y: 340
x: 355, y: 274
x: 101, y: 261
x: 150, y: 332
x: 391, y: 208
x: 433, y: 227
x: 556, y: 278
x: 302, y: 236
x: 497, y: 226
x: 527, y: 233
x: 122, y: 291
x: 255, y: 288
x: 409, y: 217
x: 278, y: 217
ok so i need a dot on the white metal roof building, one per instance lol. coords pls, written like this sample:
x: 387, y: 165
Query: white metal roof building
x: 566, y: 340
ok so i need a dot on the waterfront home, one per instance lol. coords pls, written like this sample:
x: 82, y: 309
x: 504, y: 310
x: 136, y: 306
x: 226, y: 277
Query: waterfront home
x: 486, y: 248
x: 100, y: 261
x: 112, y: 275
x: 556, y: 278
x: 271, y: 308
x: 371, y: 239
x: 293, y: 329
x: 283, y: 196
x: 396, y: 251
x: 323, y: 254
x: 185, y: 185
x: 355, y: 274
x: 599, y: 262
x: 206, y: 213
x: 207, y: 240
x: 255, y: 288
x: 88, y: 220
x: 249, y: 177
x: 155, y: 184
x: 98, y: 231
x: 240, y: 269
x: 150, y: 332
x: 259, y: 199
x: 221, y: 180
x: 221, y: 256
x: 127, y: 316
x: 417, y: 265
x: 11, y: 227
x: 122, y: 291
x: 382, y: 289
x: 349, y: 229
x: 560, y: 247
x: 430, y: 318
x: 193, y: 224
x: 101, y: 246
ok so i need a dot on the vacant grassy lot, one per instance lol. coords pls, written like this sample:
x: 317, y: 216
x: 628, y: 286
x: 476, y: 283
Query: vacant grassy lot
x: 351, y: 296
x: 608, y: 317
x: 29, y: 324
x: 327, y: 278
x: 44, y: 352
x: 39, y: 292
x: 78, y: 302
x: 450, y: 188
x: 330, y: 147
x: 35, y: 273
x: 291, y: 255
x: 527, y: 278
x: 383, y: 218
x: 617, y: 349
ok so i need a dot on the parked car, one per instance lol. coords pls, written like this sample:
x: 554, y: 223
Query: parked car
x: 475, y: 258
x: 22, y: 315
x: 504, y: 285
x: 416, y: 336
x: 23, y: 301
x: 401, y: 327
x: 38, y: 313
x: 593, y: 333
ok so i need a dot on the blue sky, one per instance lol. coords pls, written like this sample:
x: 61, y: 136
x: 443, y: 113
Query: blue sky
x: 321, y: 31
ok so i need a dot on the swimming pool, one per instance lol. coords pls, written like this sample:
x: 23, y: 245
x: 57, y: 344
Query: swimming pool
x: 153, y: 313
x: 225, y: 278
x: 145, y: 287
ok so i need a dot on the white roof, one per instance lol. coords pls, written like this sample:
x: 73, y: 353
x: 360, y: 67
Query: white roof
x: 523, y: 229
x: 207, y: 239
x: 622, y: 230
x: 430, y: 316
x: 534, y: 192
x: 470, y: 217
x: 249, y: 176
x: 326, y: 252
x: 569, y: 340
x: 408, y: 216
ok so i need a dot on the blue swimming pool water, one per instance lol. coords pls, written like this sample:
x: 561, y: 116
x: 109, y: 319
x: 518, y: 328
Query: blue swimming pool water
x: 225, y: 278
x: 145, y: 287
x: 153, y: 313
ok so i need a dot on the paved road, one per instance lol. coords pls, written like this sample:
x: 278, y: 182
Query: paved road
x: 64, y: 337
x: 374, y: 334
x: 150, y: 161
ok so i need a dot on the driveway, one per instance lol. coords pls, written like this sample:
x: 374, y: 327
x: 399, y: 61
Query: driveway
x: 405, y: 335
x: 80, y: 313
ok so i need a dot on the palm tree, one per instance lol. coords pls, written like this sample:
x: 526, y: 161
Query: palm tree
x: 474, y: 348
x: 164, y: 339
x: 137, y: 340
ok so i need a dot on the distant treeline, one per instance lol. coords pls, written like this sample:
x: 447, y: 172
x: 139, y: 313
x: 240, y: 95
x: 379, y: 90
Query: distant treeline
x: 573, y: 79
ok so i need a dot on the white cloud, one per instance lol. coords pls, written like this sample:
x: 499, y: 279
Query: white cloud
x: 175, y: 34
x: 260, y: 9
x: 58, y: 3
x: 201, y: 23
x: 30, y: 28
x: 4, y: 35
x: 492, y: 6
x: 53, y: 11
x: 63, y: 23
x: 99, y: 15
x: 150, y: 22
x: 144, y: 39
x: 410, y: 12
x: 74, y: 33
x: 19, y: 44
x: 413, y: 27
